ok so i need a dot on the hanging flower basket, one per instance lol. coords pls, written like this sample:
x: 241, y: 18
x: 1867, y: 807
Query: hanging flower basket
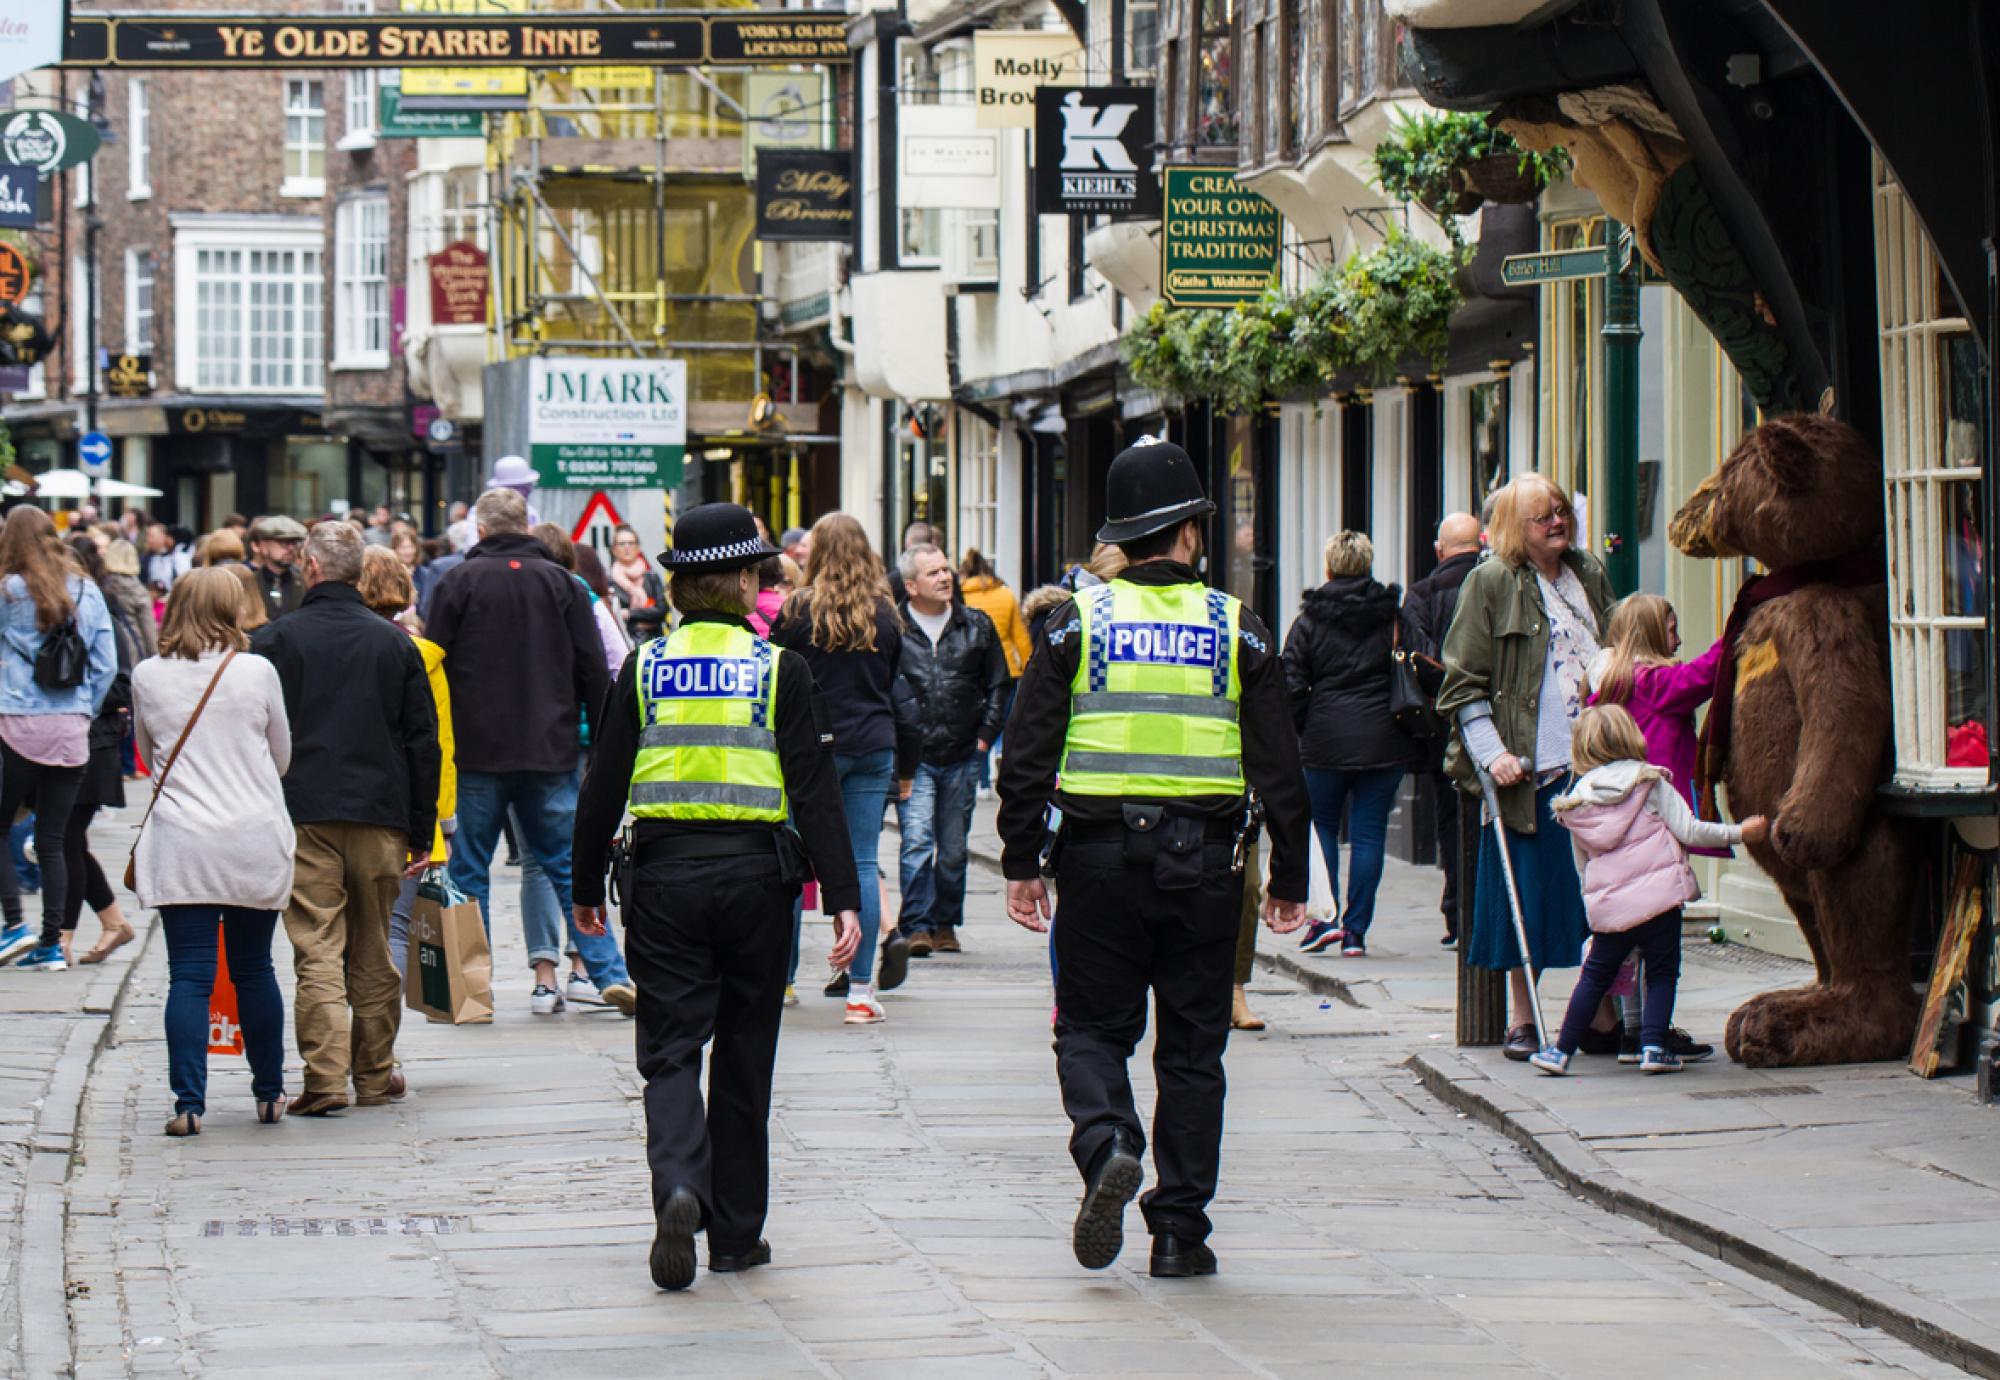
x: 1440, y: 203
x: 1500, y: 177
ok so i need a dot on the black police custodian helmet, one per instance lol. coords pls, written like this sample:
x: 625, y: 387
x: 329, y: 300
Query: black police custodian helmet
x: 715, y: 537
x: 1152, y: 486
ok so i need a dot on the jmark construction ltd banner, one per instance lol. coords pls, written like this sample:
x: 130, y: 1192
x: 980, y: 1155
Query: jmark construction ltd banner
x: 607, y: 423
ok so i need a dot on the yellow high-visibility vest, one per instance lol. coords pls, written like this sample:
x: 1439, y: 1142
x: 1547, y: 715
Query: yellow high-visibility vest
x: 1155, y: 700
x: 708, y: 707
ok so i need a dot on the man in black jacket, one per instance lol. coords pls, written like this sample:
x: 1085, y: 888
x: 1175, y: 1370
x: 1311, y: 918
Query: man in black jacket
x: 524, y: 661
x: 952, y: 659
x: 1428, y: 607
x: 362, y: 791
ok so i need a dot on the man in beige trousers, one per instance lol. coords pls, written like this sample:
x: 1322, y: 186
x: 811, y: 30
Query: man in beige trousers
x: 362, y: 792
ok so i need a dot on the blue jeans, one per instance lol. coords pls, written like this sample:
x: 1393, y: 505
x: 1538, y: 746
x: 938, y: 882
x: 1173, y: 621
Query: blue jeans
x: 541, y: 914
x: 935, y: 821
x: 190, y: 932
x: 17, y: 840
x: 1370, y: 795
x: 544, y: 806
x: 864, y: 791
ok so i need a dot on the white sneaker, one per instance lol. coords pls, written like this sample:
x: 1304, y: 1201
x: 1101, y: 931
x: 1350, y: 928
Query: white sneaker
x: 545, y: 1000
x: 863, y: 1008
x: 581, y: 988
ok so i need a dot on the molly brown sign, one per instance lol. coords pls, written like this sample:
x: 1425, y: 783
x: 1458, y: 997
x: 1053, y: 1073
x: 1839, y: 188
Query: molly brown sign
x: 607, y: 424
x: 1094, y: 152
x: 805, y: 194
x: 1009, y: 67
x: 1218, y: 240
x: 46, y: 140
x: 19, y: 194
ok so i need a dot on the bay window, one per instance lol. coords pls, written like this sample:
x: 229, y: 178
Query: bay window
x: 247, y: 305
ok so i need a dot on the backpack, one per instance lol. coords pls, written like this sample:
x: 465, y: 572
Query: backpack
x: 62, y: 659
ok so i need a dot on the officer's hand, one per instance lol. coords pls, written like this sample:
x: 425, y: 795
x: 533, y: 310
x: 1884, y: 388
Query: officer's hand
x: 1507, y: 770
x: 589, y: 919
x: 846, y: 938
x: 1283, y: 916
x: 1028, y: 905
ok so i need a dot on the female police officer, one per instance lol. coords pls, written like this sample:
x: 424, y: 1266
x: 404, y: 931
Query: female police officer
x: 1158, y: 701
x: 714, y: 737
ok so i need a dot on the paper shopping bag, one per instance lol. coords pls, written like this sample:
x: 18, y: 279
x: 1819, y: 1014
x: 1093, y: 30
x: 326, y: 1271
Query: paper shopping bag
x: 449, y: 976
x: 225, y: 1031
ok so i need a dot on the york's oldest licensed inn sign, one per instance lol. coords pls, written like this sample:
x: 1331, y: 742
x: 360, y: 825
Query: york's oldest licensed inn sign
x: 665, y: 38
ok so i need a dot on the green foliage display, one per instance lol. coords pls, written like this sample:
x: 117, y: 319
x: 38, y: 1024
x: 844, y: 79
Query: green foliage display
x: 1369, y: 314
x: 1427, y: 156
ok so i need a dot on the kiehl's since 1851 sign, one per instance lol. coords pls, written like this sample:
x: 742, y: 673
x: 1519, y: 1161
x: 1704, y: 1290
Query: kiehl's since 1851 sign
x: 805, y: 194
x: 1094, y: 152
x: 1218, y: 240
x: 550, y: 39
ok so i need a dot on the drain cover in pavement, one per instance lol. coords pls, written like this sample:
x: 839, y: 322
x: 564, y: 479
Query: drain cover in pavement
x: 1745, y: 1094
x: 419, y: 1224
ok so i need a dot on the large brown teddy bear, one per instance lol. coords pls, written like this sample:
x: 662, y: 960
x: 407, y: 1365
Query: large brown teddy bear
x: 1800, y: 730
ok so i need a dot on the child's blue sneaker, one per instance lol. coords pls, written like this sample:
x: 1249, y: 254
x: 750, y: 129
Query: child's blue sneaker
x: 1653, y: 1059
x: 1550, y: 1060
x: 46, y: 956
x: 1321, y: 935
x: 16, y: 940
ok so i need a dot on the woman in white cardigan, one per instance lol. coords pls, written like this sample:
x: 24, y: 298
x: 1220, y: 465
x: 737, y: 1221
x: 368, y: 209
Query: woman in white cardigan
x: 217, y: 850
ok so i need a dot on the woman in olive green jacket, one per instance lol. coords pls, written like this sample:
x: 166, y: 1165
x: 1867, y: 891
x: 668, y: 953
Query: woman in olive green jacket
x: 1515, y: 660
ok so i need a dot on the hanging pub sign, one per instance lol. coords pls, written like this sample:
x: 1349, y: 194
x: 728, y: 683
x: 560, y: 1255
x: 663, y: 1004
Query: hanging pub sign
x: 546, y: 39
x: 1010, y: 66
x: 805, y: 194
x: 20, y: 196
x: 129, y: 376
x: 1218, y: 240
x: 607, y: 423
x: 459, y: 285
x: 1094, y: 152
x: 46, y: 140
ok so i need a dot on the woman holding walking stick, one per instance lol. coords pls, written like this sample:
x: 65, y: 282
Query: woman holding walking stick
x: 1526, y: 627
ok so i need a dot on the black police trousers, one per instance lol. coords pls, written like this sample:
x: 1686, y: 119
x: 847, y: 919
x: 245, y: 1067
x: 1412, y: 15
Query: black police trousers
x: 708, y: 941
x: 1117, y: 935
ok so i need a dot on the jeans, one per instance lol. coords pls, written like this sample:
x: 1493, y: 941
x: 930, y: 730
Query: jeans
x: 190, y: 932
x: 935, y: 821
x: 1659, y: 944
x: 1371, y: 795
x: 864, y: 792
x: 17, y: 840
x: 542, y: 915
x: 53, y: 789
x: 543, y: 804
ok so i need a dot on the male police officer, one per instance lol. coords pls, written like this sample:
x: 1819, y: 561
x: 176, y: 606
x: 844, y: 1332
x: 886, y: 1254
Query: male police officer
x: 715, y: 737
x: 1158, y: 701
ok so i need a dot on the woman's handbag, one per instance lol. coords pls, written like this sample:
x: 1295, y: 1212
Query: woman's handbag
x: 160, y: 782
x: 1409, y: 706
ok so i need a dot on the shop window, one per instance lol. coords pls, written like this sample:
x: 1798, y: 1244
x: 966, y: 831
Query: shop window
x: 1216, y: 112
x: 138, y: 301
x: 305, y: 137
x: 249, y: 318
x: 1486, y: 420
x: 361, y: 283
x: 1932, y: 444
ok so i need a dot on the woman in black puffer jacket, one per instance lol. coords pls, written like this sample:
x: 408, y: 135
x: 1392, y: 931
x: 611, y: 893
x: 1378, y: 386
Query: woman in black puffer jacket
x: 1337, y: 666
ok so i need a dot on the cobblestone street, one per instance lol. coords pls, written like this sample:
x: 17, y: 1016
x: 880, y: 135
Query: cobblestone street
x: 495, y: 1223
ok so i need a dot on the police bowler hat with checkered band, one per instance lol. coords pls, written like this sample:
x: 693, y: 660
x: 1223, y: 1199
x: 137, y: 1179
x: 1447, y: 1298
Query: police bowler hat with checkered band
x: 715, y: 537
x: 1151, y: 486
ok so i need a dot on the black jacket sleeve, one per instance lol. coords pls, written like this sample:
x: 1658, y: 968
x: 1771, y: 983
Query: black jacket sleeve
x: 805, y: 750
x: 420, y: 750
x: 600, y: 804
x: 1035, y: 735
x: 993, y: 668
x: 1271, y: 761
x: 909, y: 709
x: 1297, y: 665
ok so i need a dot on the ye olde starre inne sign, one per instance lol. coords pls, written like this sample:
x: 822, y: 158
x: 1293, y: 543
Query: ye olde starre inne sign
x: 607, y: 423
x: 1218, y: 240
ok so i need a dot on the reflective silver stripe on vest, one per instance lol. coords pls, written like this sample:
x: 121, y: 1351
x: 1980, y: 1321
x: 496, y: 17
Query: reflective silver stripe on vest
x: 708, y: 736
x: 707, y: 793
x: 1151, y: 764
x: 1141, y: 702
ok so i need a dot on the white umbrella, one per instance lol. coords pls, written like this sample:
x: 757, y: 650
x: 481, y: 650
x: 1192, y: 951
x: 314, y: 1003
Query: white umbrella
x: 62, y: 484
x: 118, y: 488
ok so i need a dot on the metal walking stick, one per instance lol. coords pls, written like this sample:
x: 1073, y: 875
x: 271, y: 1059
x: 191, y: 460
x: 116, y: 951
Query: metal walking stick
x: 1492, y: 794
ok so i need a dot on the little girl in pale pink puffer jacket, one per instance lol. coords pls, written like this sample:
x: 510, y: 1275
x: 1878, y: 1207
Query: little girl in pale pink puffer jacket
x: 1630, y: 830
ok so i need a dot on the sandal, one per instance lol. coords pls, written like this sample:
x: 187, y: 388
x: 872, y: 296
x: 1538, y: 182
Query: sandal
x: 185, y: 1124
x: 272, y: 1112
x: 109, y: 944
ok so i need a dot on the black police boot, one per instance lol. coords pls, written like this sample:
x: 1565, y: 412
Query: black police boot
x: 1100, y: 1222
x: 1175, y: 1258
x: 739, y: 1261
x: 673, y: 1240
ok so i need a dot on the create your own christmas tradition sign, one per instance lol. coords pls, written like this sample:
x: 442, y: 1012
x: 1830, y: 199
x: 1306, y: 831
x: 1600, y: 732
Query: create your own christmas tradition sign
x: 607, y: 423
x: 1218, y: 239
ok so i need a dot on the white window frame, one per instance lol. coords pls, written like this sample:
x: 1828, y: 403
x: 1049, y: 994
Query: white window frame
x: 1919, y: 481
x: 978, y: 486
x: 141, y: 319
x: 83, y: 184
x: 361, y: 323
x: 964, y: 259
x: 306, y: 145
x: 83, y: 287
x: 358, y: 90
x: 138, y: 140
x: 299, y: 236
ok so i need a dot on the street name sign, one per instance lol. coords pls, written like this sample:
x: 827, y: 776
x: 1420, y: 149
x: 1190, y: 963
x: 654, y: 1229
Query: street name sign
x: 1555, y: 266
x: 607, y: 423
x: 1218, y: 240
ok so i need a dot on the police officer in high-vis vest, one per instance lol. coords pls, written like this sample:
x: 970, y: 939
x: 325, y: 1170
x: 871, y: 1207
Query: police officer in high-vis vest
x: 715, y: 739
x: 1147, y: 710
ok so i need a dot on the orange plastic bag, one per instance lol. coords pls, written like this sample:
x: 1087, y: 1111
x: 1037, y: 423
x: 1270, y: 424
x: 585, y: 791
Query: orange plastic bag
x: 225, y: 1033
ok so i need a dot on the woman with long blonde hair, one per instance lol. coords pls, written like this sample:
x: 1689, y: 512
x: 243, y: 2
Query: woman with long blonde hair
x: 844, y: 625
